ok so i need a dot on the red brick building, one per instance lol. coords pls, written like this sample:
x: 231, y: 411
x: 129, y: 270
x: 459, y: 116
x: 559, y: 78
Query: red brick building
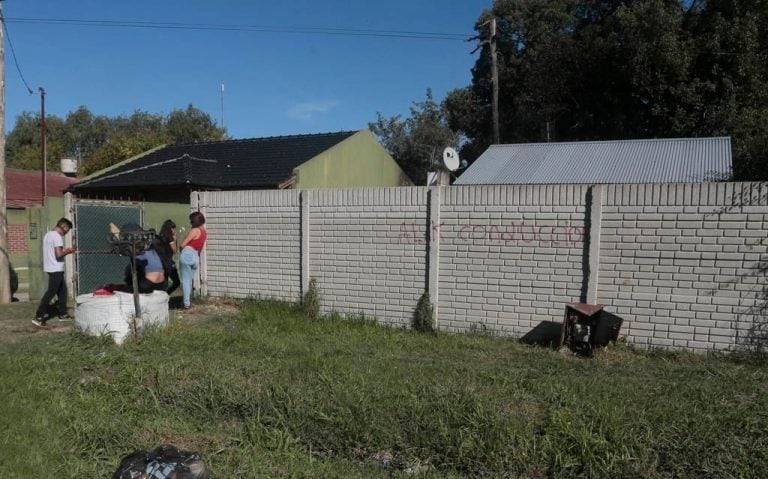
x: 24, y: 189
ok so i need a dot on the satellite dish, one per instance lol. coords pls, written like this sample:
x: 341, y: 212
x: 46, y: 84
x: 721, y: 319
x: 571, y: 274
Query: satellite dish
x: 451, y: 159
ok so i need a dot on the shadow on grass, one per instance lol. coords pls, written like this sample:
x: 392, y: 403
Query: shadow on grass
x: 546, y: 334
x: 605, y: 332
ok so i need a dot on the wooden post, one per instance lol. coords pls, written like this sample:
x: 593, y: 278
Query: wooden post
x: 5, y: 277
x: 495, y: 81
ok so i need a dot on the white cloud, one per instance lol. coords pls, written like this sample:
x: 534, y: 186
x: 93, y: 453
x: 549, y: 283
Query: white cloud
x: 305, y: 111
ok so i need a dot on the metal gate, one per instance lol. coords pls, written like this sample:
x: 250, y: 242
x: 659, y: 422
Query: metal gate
x: 95, y: 262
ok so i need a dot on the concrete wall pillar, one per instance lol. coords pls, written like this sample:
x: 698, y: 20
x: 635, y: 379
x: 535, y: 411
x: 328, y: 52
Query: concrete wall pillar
x: 433, y: 249
x: 595, y: 217
x: 304, y: 205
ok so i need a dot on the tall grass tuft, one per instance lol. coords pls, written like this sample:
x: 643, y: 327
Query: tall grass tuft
x: 310, y: 303
x: 423, y: 316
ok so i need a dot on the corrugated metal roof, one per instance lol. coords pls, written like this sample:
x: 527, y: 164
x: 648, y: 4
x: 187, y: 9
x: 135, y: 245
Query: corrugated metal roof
x: 677, y: 160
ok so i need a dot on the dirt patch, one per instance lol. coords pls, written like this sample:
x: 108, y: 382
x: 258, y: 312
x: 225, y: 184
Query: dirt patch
x: 206, y: 309
x: 16, y: 323
x: 16, y: 318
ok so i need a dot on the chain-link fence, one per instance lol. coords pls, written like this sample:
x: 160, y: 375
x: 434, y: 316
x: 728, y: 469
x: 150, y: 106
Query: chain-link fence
x: 96, y: 263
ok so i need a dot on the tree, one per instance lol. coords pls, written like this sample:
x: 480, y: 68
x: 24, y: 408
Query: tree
x: 23, y: 144
x: 417, y: 142
x: 575, y: 70
x: 192, y: 126
x: 99, y: 141
x: 121, y: 147
x: 613, y: 69
x: 731, y: 66
x: 466, y: 112
x: 83, y: 132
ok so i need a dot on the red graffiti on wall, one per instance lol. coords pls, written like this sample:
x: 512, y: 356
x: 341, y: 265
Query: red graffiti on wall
x: 558, y: 235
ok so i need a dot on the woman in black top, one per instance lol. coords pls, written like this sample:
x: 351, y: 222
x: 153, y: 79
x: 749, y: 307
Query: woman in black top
x: 166, y: 247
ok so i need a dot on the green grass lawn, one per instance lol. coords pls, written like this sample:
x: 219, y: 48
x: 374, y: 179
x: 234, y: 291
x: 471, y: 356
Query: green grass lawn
x: 260, y: 391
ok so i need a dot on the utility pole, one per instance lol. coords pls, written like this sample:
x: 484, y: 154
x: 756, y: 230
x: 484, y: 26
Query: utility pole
x: 491, y: 42
x: 495, y: 81
x: 5, y: 276
x: 43, y: 155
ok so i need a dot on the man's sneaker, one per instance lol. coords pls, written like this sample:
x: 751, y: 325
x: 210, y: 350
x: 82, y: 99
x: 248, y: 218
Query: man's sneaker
x: 40, y: 322
x: 65, y: 317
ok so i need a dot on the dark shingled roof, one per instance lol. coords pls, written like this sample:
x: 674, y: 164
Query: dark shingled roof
x: 234, y: 164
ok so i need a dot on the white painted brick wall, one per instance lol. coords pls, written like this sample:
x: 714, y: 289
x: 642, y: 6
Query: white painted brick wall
x: 510, y: 257
x: 253, y: 247
x: 680, y: 263
x: 368, y: 251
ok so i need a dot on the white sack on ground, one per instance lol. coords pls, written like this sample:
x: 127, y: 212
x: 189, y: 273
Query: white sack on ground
x: 113, y: 315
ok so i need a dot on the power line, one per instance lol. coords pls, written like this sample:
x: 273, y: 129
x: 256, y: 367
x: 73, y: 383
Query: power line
x: 243, y: 28
x: 13, y: 53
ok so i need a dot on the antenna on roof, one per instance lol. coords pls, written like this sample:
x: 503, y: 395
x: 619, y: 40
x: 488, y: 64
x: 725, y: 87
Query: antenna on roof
x: 222, y: 103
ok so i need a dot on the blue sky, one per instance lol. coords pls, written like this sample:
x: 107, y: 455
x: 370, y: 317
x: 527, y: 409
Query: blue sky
x: 275, y: 83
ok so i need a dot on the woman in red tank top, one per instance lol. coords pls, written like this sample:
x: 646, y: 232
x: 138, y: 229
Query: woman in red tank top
x: 190, y: 254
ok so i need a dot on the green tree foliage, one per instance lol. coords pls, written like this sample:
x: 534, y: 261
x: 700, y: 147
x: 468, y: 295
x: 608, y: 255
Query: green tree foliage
x: 732, y: 68
x: 22, y: 148
x: 617, y: 69
x: 101, y: 141
x: 121, y: 146
x: 85, y: 133
x: 191, y: 126
x: 417, y: 142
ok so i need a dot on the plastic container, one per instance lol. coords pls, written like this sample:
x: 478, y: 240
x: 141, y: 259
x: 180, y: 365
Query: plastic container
x: 113, y: 315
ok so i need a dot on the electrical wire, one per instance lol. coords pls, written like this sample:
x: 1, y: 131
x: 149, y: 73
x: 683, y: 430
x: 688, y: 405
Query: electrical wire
x: 273, y: 29
x: 13, y: 53
x: 243, y: 28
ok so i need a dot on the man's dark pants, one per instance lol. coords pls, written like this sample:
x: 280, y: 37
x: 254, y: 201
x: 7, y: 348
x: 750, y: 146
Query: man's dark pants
x: 56, y: 287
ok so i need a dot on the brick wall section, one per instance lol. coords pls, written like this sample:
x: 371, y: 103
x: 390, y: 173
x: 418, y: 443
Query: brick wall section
x: 368, y: 250
x: 254, y: 240
x: 681, y: 263
x: 510, y: 257
x: 17, y: 238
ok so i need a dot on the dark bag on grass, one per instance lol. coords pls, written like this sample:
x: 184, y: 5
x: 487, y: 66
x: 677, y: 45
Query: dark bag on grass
x: 165, y: 462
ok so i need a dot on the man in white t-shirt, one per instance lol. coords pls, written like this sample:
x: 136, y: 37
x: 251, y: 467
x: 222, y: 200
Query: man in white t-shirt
x: 53, y: 264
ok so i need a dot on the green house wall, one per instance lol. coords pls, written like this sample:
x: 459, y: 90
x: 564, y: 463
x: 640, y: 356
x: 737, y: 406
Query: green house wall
x: 155, y: 215
x: 360, y: 160
x: 41, y: 219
